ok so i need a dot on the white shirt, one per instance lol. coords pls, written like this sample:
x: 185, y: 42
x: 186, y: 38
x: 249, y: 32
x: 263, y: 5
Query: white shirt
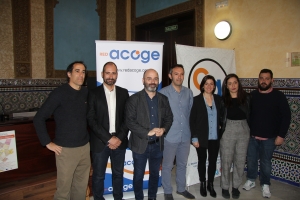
x: 111, y: 104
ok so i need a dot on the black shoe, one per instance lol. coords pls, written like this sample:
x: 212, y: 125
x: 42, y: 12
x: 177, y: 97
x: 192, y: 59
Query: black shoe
x: 151, y: 198
x: 225, y: 194
x: 203, y: 189
x: 186, y: 194
x: 235, y: 193
x: 210, y: 188
x: 169, y: 197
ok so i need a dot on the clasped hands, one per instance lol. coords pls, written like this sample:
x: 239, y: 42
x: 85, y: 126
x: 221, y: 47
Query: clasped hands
x: 156, y: 131
x: 114, y: 142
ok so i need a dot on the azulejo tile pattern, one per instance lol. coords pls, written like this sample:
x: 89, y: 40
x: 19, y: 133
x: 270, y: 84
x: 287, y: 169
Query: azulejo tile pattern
x: 286, y: 168
x: 283, y: 83
x: 286, y: 158
x: 18, y: 95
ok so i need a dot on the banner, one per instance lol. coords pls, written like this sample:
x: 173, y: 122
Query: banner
x: 132, y: 59
x: 8, y: 151
x: 128, y: 175
x: 198, y: 62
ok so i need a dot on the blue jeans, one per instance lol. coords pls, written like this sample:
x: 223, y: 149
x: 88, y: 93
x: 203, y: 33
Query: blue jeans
x: 117, y: 158
x: 262, y: 150
x: 154, y: 155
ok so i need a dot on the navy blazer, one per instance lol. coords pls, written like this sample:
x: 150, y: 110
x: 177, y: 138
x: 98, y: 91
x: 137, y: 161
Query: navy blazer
x: 98, y: 118
x: 199, y: 119
x: 137, y: 120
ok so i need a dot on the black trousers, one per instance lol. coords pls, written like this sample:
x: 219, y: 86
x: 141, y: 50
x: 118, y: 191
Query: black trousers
x: 213, y: 151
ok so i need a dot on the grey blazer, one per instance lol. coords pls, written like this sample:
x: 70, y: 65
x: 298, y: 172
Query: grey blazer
x: 138, y: 122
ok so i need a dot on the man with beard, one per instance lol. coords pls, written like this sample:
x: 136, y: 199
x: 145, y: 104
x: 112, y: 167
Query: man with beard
x: 269, y: 122
x: 149, y: 118
x: 178, y: 140
x: 106, y: 106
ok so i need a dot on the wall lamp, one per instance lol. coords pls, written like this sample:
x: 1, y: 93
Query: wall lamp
x: 223, y: 30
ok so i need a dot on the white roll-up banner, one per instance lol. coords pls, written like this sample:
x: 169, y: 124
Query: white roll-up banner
x: 132, y: 59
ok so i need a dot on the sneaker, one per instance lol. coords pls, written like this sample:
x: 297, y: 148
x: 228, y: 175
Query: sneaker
x: 266, y: 191
x: 186, y: 194
x: 248, y: 185
x: 169, y: 197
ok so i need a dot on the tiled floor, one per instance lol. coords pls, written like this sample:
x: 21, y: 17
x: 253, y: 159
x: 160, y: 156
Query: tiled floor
x: 279, y: 190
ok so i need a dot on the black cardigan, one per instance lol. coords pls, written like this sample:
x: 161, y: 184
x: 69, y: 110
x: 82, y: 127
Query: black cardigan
x: 199, y: 119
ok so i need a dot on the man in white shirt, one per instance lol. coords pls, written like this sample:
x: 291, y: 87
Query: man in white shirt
x: 105, y: 116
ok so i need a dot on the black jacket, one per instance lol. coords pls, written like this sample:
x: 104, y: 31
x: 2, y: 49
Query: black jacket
x: 199, y: 119
x: 245, y: 108
x: 98, y: 118
x: 137, y: 120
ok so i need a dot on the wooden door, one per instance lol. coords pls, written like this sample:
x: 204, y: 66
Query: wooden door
x: 180, y: 30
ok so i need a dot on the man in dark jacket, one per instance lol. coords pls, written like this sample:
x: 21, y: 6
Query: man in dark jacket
x: 106, y: 106
x: 149, y: 118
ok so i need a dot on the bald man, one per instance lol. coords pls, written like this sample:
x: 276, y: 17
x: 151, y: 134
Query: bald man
x: 149, y: 118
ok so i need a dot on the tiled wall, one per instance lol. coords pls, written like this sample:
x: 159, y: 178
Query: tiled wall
x: 18, y: 95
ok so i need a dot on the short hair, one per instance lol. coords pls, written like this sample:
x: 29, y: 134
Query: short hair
x: 148, y: 70
x: 205, y: 78
x: 71, y: 66
x: 174, y: 66
x: 109, y: 62
x: 266, y: 71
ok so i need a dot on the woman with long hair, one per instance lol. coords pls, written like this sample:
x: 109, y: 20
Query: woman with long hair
x: 205, y: 120
x: 236, y: 133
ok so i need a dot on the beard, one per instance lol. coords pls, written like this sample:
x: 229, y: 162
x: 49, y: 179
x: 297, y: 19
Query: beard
x: 110, y: 81
x: 264, y: 86
x: 150, y: 87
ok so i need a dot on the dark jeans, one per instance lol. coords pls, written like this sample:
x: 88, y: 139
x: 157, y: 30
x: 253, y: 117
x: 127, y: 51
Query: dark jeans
x: 117, y: 158
x: 262, y: 150
x: 154, y: 155
x: 213, y: 151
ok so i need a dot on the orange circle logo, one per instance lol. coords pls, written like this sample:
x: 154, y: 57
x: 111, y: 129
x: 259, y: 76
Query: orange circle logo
x: 195, y: 76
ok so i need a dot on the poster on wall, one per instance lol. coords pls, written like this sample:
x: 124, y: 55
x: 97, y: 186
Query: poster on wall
x: 8, y: 151
x: 132, y: 59
x: 199, y: 62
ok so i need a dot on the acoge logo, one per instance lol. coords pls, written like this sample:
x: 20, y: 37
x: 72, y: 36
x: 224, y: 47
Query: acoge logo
x: 144, y: 56
x: 202, y: 68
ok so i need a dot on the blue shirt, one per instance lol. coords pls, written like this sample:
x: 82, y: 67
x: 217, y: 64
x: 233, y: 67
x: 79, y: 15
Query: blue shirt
x: 212, y: 122
x: 153, y: 113
x: 181, y: 104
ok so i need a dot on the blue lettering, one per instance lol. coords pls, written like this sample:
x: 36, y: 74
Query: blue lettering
x: 145, y: 59
x: 219, y: 87
x: 155, y: 55
x: 112, y: 56
x: 134, y: 58
x: 144, y: 56
x: 124, y: 57
x: 129, y: 162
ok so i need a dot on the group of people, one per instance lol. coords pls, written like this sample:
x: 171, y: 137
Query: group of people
x: 163, y: 124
